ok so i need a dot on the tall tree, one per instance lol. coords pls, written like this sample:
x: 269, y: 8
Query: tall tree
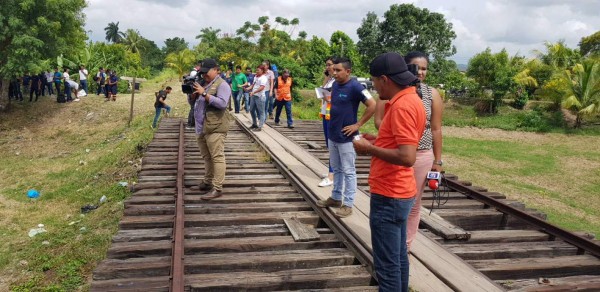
x: 342, y: 45
x: 174, y: 45
x: 583, y: 90
x: 318, y: 51
x: 408, y: 28
x: 151, y: 55
x: 132, y: 40
x: 493, y: 72
x: 558, y: 55
x: 590, y: 45
x: 369, y: 34
x: 181, y: 61
x: 209, y: 35
x: 113, y: 34
x: 33, y: 31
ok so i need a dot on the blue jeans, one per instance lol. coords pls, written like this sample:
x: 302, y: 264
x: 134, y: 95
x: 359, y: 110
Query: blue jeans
x: 387, y: 218
x: 326, y: 133
x: 342, y: 158
x: 288, y: 111
x: 247, y: 101
x: 158, y: 110
x: 236, y: 100
x: 268, y: 102
x: 84, y: 86
x: 49, y: 88
x: 100, y: 89
x: 257, y: 110
x: 68, y: 91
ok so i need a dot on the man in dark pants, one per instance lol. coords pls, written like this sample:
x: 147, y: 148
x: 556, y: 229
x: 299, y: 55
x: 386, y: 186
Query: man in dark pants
x: 391, y: 180
x: 57, y: 80
x: 35, y: 87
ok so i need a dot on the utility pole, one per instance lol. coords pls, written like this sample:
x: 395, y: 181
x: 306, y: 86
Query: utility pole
x: 341, y: 44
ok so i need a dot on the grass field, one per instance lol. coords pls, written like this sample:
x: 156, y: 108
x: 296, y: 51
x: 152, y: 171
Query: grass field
x: 75, y: 153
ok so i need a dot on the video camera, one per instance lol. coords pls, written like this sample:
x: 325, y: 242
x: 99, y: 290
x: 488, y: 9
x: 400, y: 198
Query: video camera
x: 188, y: 83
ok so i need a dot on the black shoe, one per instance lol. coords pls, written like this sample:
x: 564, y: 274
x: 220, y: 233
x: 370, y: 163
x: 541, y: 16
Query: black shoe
x: 257, y: 129
x: 290, y: 127
x: 253, y: 127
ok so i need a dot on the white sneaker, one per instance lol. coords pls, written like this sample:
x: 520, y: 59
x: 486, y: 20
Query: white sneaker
x: 324, y: 175
x: 77, y: 99
x: 326, y: 182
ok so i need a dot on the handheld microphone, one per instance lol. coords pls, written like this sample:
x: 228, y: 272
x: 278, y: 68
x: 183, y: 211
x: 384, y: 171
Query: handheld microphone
x: 434, y: 179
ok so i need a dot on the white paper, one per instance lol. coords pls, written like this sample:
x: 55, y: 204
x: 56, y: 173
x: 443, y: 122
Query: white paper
x: 322, y: 92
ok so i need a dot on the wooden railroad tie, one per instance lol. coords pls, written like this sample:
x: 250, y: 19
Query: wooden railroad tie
x: 300, y: 231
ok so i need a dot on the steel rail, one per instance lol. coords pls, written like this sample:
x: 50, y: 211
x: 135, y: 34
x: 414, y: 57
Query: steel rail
x: 177, y: 255
x: 583, y: 244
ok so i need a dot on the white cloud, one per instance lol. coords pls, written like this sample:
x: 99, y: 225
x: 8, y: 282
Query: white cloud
x: 519, y: 26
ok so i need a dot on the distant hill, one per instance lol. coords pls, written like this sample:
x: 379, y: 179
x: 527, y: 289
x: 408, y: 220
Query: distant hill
x: 462, y: 67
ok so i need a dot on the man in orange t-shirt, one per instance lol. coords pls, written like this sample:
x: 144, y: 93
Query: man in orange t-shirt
x: 391, y: 179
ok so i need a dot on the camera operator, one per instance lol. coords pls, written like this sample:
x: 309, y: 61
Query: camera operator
x: 212, y: 124
x: 191, y: 123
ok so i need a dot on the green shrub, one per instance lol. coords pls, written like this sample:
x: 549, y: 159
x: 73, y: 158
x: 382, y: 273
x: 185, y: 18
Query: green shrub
x: 520, y: 100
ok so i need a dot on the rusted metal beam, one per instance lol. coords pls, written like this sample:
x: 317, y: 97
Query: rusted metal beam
x: 177, y: 268
x: 574, y: 239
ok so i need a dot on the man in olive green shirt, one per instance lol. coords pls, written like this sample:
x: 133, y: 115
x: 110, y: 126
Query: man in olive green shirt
x: 238, y: 81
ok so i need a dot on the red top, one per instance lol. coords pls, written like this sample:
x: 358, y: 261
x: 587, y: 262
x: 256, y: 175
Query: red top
x: 403, y: 124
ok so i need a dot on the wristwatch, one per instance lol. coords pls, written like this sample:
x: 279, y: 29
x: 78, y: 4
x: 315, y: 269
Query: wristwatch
x: 204, y: 94
x: 438, y: 162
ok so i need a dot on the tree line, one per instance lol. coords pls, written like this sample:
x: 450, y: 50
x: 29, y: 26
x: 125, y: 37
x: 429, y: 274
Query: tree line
x: 36, y: 36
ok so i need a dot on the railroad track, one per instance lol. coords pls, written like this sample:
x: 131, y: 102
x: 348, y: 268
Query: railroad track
x: 170, y: 240
x: 502, y: 239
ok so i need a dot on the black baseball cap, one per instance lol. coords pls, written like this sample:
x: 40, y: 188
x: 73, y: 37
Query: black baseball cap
x: 208, y: 64
x: 393, y: 66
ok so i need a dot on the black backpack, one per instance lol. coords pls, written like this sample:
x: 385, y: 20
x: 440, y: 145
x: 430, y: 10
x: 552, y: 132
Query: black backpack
x: 60, y: 97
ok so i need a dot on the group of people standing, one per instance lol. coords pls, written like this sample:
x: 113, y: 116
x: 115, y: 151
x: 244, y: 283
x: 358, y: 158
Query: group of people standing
x: 408, y: 116
x: 409, y: 144
x: 63, y: 85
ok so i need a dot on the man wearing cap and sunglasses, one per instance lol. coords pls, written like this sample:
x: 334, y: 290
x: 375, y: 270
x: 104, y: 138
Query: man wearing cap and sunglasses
x: 391, y: 180
x: 212, y: 124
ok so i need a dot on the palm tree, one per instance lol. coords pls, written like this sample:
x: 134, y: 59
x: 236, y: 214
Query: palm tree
x: 209, y: 35
x: 112, y: 33
x: 180, y: 61
x: 583, y: 90
x: 294, y: 24
x: 558, y: 55
x: 132, y: 40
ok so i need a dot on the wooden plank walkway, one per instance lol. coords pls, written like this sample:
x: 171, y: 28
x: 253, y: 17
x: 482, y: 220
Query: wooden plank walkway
x: 432, y: 267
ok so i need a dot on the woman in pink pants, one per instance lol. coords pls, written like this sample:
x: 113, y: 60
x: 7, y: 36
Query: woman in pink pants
x: 429, y: 151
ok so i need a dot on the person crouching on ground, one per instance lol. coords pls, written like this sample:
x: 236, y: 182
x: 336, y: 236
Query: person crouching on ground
x: 212, y: 124
x: 391, y: 180
x: 160, y: 103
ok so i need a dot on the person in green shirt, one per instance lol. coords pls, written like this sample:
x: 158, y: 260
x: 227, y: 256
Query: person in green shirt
x: 237, y: 83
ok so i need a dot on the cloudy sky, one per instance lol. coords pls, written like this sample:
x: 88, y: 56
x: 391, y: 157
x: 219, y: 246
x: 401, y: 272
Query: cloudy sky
x: 520, y: 26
